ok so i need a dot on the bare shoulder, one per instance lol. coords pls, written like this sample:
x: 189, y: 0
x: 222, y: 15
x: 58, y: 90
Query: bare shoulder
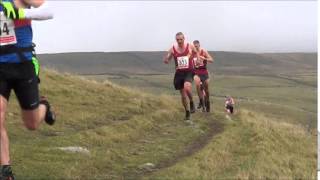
x: 32, y: 3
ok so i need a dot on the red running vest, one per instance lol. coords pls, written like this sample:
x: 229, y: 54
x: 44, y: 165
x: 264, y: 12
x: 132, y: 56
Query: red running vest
x: 182, y: 61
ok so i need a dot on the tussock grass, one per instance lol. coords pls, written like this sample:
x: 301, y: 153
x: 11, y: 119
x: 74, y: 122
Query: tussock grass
x: 252, y: 147
x: 122, y: 128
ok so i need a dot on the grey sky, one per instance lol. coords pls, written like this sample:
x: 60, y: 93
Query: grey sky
x: 260, y: 26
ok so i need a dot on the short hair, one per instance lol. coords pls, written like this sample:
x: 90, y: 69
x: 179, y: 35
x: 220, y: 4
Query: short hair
x: 196, y: 42
x: 179, y: 33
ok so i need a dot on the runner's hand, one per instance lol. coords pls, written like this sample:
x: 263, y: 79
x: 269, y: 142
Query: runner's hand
x: 202, y: 58
x: 166, y: 61
x: 198, y: 62
x: 11, y: 11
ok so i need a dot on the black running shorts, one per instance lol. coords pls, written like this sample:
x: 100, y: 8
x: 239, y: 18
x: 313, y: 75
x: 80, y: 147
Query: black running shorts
x: 203, y: 77
x: 21, y: 78
x: 230, y: 107
x: 180, y: 78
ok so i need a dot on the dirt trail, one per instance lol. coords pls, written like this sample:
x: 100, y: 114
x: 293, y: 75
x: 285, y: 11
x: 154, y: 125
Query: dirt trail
x: 199, y: 143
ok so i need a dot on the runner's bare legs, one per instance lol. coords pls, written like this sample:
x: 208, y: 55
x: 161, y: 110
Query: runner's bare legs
x: 32, y: 120
x: 188, y: 89
x: 207, y: 94
x: 4, y: 141
x: 184, y: 99
x: 199, y: 91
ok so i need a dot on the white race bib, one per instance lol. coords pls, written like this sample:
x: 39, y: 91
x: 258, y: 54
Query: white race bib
x: 7, y: 33
x: 183, y: 62
x: 196, y: 64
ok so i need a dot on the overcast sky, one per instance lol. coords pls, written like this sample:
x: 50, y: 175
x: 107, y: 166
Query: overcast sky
x: 259, y: 26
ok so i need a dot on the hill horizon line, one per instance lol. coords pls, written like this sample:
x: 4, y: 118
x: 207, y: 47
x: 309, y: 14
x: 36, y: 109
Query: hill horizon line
x: 240, y: 52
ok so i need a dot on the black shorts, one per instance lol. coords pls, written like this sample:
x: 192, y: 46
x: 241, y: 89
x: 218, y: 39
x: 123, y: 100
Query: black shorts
x: 203, y: 77
x: 180, y: 78
x: 230, y: 108
x: 21, y: 78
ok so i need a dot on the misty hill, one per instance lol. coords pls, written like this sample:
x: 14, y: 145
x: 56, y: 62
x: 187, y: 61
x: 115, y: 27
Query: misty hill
x: 151, y: 63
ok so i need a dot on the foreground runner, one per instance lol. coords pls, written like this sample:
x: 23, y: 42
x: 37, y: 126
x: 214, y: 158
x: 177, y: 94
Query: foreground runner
x: 201, y: 77
x: 181, y: 52
x: 19, y: 70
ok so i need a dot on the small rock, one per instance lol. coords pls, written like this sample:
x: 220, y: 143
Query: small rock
x: 75, y: 150
x: 147, y: 166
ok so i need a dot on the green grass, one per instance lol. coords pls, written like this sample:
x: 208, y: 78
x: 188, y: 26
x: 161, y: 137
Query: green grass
x: 125, y: 127
x: 122, y: 128
x: 285, y: 99
x: 251, y: 147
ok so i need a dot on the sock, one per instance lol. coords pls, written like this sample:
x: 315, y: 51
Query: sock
x: 201, y: 101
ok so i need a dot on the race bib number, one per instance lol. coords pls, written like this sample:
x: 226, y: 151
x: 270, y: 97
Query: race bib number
x: 7, y: 33
x: 196, y: 63
x: 183, y: 62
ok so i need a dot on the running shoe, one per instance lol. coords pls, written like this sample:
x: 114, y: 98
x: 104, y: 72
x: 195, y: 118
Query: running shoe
x: 50, y: 117
x: 6, y: 173
x: 192, y: 107
x: 187, y: 116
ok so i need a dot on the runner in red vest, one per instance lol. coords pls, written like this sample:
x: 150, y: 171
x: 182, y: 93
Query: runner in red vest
x: 201, y: 76
x: 229, y: 104
x: 181, y: 53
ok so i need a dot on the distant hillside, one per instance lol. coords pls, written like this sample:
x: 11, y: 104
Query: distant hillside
x: 151, y: 63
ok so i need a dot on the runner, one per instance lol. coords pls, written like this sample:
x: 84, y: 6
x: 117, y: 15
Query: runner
x: 201, y: 77
x: 229, y: 104
x: 19, y: 70
x: 181, y: 52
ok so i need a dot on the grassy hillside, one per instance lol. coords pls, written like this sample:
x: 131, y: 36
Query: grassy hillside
x: 280, y: 85
x: 284, y: 99
x: 123, y: 129
x: 251, y: 147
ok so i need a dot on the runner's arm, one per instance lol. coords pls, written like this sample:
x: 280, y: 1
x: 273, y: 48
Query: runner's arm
x: 168, y: 57
x: 208, y: 57
x: 232, y: 101
x: 40, y: 11
x: 226, y: 103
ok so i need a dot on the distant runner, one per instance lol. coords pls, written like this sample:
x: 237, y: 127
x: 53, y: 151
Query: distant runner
x: 19, y: 70
x: 229, y: 104
x: 181, y: 52
x: 201, y: 77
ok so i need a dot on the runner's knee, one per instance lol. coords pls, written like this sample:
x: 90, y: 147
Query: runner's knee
x: 187, y: 85
x: 183, y: 93
x: 197, y: 80
x: 32, y: 126
x: 31, y: 120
